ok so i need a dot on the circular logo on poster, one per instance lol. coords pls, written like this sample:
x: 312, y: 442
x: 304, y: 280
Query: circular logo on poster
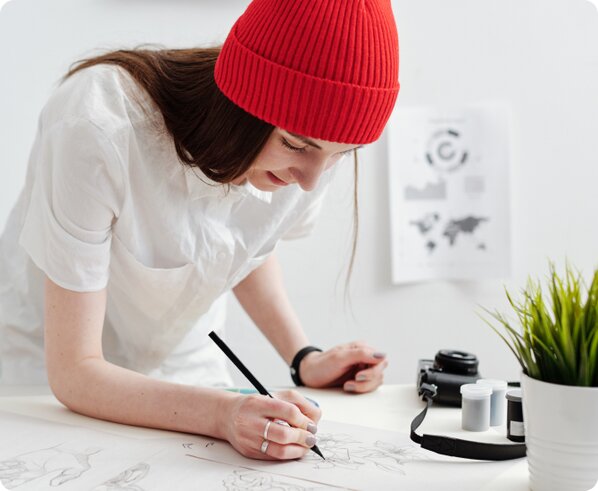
x: 445, y: 152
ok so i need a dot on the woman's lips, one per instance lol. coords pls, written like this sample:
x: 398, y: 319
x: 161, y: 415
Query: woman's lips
x: 276, y: 180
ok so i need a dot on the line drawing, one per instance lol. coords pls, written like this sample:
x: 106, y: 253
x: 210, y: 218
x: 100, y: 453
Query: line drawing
x: 127, y: 479
x: 343, y: 451
x: 240, y: 480
x: 59, y: 464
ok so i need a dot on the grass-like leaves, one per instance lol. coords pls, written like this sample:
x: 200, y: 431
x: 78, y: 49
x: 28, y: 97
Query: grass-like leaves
x: 556, y: 336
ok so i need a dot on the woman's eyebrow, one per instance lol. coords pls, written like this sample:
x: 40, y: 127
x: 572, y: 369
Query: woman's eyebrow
x: 313, y: 144
x: 305, y: 140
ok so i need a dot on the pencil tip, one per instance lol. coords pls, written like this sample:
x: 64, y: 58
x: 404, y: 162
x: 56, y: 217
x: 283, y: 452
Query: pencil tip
x: 317, y: 450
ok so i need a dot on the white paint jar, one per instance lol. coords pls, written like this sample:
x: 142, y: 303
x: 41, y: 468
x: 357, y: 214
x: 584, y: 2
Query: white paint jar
x: 498, y: 402
x: 475, y: 407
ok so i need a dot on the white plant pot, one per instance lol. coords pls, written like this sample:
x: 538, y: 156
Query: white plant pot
x: 561, y: 434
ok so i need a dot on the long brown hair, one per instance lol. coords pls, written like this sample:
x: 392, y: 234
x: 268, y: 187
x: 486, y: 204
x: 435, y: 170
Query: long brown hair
x: 208, y: 130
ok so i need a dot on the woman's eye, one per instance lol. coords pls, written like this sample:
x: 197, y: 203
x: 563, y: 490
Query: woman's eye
x: 291, y: 147
x: 304, y: 149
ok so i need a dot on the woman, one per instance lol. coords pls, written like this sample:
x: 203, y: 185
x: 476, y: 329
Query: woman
x: 159, y: 181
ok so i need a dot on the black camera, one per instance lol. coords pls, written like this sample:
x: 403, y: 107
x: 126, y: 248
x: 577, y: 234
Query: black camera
x: 449, y: 370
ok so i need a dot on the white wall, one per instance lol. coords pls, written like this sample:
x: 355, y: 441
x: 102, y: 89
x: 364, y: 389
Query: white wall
x: 540, y: 56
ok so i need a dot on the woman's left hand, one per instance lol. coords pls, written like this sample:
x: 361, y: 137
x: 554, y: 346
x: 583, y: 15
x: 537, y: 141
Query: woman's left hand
x: 356, y: 367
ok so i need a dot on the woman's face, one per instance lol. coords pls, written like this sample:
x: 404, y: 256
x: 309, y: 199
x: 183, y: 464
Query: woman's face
x: 288, y: 158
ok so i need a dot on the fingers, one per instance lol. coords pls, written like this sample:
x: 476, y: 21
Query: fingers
x: 284, y: 452
x: 254, y: 421
x: 300, y: 416
x: 356, y: 353
x: 371, y: 373
x: 285, y: 435
x: 313, y: 412
x: 367, y: 380
x: 291, y: 412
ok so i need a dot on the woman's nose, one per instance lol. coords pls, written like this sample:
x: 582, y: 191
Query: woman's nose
x: 308, y: 175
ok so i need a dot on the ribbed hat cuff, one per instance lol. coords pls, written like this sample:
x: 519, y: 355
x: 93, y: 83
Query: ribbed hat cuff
x: 310, y: 106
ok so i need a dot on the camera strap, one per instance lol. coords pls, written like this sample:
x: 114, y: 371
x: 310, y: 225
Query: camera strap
x: 456, y: 447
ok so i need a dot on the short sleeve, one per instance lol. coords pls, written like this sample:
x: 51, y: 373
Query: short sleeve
x: 76, y: 195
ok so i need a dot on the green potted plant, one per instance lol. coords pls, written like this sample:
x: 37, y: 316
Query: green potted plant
x: 555, y: 340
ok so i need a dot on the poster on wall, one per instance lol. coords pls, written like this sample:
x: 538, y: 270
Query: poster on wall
x: 449, y: 192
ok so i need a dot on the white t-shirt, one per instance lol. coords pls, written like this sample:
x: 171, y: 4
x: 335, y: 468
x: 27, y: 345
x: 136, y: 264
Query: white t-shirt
x: 107, y: 203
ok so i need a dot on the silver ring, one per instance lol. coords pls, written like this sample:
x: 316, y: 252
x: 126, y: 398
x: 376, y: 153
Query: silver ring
x: 264, y: 446
x: 266, y: 429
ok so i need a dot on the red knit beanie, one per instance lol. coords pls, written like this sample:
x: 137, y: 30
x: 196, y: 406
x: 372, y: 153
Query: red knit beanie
x: 325, y: 69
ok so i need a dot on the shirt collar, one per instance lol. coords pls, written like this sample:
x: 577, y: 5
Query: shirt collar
x: 248, y: 188
x: 200, y: 186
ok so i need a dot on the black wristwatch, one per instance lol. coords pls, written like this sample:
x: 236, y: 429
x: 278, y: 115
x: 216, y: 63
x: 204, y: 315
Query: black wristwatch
x: 302, y: 353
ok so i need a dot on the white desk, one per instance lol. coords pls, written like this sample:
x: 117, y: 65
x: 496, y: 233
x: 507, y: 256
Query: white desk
x: 391, y: 407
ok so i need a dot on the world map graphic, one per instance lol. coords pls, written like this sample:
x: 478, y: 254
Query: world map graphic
x: 450, y: 230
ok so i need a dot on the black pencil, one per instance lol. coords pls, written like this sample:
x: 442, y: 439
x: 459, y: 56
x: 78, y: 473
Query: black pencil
x: 239, y: 364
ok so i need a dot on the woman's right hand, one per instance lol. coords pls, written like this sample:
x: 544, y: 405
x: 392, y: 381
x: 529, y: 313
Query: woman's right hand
x: 246, y: 417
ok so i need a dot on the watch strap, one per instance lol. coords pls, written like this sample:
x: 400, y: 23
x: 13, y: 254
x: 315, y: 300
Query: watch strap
x: 302, y: 353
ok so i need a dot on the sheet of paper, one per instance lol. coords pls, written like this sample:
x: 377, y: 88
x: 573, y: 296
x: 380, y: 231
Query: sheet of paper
x: 172, y: 470
x: 37, y: 454
x: 449, y: 194
x: 358, y: 457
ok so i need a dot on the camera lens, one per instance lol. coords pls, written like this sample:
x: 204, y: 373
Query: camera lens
x: 455, y: 361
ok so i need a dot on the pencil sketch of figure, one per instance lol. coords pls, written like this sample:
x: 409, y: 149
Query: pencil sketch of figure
x: 343, y: 451
x: 126, y: 480
x: 58, y: 464
x: 258, y: 481
x: 338, y: 451
x: 389, y: 457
